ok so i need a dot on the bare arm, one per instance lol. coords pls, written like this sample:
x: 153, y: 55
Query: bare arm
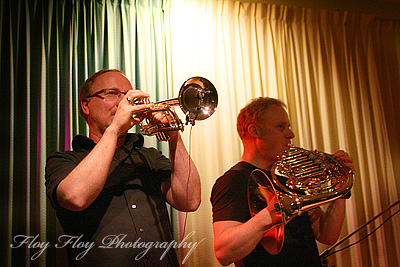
x: 82, y: 186
x: 328, y: 225
x: 183, y: 189
x: 235, y: 240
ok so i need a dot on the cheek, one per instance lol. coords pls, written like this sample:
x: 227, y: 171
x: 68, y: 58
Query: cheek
x: 102, y: 112
x: 274, y: 142
x: 107, y: 108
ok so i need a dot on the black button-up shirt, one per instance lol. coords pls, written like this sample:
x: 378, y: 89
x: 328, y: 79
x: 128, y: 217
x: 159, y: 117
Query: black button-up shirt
x: 128, y: 223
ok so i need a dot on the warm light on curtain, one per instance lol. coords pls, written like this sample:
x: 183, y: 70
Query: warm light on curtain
x: 338, y: 72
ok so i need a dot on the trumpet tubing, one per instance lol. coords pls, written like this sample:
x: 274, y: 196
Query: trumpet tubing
x: 197, y: 98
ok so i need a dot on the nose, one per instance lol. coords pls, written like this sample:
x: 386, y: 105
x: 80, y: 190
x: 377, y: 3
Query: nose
x: 291, y: 134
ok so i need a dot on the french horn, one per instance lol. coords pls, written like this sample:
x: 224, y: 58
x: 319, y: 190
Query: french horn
x: 301, y: 180
x: 198, y: 100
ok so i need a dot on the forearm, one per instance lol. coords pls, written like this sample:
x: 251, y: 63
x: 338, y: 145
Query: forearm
x: 234, y: 240
x: 184, y: 192
x: 328, y: 224
x: 82, y: 186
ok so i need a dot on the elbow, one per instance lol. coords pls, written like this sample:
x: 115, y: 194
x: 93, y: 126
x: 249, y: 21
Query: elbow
x: 191, y: 206
x: 328, y: 240
x: 223, y: 262
x: 222, y: 258
x: 74, y: 205
x: 193, y: 201
x: 72, y: 202
x: 222, y: 254
x: 195, y: 204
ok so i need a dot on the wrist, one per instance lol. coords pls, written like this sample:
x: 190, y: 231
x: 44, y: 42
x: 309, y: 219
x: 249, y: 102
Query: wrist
x: 265, y: 219
x: 111, y: 131
x: 174, y: 136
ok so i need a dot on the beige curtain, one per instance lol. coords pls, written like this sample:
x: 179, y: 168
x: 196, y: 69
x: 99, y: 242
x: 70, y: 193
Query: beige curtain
x: 339, y: 74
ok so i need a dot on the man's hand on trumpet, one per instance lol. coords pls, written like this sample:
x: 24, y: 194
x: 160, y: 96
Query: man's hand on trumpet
x: 127, y: 113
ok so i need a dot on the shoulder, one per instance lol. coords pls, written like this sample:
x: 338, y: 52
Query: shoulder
x: 74, y: 157
x: 229, y: 194
x: 233, y: 181
x: 238, y: 174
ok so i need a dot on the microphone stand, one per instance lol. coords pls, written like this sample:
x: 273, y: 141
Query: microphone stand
x: 327, y: 253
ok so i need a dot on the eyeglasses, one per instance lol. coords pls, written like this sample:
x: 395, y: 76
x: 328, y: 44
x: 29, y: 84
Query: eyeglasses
x: 108, y: 94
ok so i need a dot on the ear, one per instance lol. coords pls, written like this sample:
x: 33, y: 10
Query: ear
x: 85, y: 106
x: 254, y: 130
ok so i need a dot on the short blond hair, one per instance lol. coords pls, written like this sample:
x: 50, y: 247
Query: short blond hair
x: 253, y: 112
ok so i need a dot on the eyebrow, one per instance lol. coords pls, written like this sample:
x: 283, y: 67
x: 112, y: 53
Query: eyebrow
x: 110, y: 88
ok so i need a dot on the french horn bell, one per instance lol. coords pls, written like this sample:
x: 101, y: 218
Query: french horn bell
x: 301, y: 180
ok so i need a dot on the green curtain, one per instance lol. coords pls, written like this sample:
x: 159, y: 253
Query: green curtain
x: 48, y: 49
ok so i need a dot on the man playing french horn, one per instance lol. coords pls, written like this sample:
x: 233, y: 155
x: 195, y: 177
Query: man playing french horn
x: 110, y: 191
x: 264, y: 128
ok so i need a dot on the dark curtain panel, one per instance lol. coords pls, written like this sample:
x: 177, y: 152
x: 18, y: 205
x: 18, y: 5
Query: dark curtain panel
x: 48, y: 49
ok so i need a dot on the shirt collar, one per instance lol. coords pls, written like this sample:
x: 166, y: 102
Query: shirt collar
x: 84, y: 142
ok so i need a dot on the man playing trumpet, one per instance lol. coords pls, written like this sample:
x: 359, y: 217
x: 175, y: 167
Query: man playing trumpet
x: 110, y: 191
x: 264, y: 128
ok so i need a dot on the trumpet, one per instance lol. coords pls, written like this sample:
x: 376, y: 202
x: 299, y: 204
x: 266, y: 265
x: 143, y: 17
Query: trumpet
x: 198, y: 100
x: 301, y: 180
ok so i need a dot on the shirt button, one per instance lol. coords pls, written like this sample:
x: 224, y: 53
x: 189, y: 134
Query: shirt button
x: 133, y: 206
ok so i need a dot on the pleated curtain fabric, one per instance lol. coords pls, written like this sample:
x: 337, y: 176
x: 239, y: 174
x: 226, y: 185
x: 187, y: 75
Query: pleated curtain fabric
x: 337, y: 71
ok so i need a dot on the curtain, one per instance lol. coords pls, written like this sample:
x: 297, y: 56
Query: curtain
x: 337, y: 71
x: 48, y: 49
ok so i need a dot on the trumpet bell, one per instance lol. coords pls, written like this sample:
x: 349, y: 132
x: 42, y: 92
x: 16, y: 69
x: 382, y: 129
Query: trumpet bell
x: 198, y: 99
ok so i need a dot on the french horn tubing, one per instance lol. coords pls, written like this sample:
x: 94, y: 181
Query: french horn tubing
x: 301, y: 180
